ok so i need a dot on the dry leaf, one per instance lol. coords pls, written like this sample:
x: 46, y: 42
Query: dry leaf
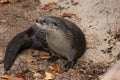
x: 11, y: 77
x: 20, y: 76
x: 49, y: 5
x: 29, y: 60
x: 1, y: 5
x: 95, y: 79
x: 73, y: 2
x: 15, y: 78
x: 55, y: 69
x: 32, y: 70
x: 37, y: 75
x: 5, y: 76
x: 48, y: 76
x: 3, y: 21
x: 36, y: 79
x: 4, y: 1
x: 67, y: 15
x: 45, y: 56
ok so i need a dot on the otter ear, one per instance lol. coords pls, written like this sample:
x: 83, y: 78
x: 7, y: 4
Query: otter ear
x: 44, y: 21
x: 55, y: 24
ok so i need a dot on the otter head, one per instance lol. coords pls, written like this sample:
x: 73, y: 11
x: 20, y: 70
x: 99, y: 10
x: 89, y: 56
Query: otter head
x: 47, y: 24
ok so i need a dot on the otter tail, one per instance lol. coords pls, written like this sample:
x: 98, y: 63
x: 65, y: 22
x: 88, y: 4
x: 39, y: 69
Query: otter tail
x: 19, y: 43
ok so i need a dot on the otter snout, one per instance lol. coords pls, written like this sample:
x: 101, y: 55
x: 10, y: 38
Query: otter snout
x: 39, y: 21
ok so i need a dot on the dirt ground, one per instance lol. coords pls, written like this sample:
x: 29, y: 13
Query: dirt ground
x: 99, y: 20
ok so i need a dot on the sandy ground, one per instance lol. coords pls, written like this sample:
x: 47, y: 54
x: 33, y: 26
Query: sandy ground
x: 113, y: 73
x: 98, y: 19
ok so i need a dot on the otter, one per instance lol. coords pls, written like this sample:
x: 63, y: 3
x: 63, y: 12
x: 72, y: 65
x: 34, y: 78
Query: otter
x: 33, y: 37
x: 57, y: 36
x: 64, y: 39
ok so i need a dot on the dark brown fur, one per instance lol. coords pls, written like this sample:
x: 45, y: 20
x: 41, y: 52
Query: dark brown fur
x: 31, y: 38
x: 63, y: 36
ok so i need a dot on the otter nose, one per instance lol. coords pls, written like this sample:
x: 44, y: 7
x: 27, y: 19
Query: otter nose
x: 39, y: 21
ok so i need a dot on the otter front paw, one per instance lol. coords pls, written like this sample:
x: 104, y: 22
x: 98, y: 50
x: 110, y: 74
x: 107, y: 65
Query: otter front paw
x: 53, y: 59
x: 69, y: 64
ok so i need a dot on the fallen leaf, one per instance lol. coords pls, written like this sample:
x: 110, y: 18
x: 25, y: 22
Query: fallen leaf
x: 1, y: 5
x: 37, y: 75
x: 48, y: 76
x: 4, y: 1
x: 11, y: 77
x: 3, y: 21
x: 15, y: 78
x: 45, y: 56
x: 95, y: 79
x: 36, y: 78
x: 69, y: 15
x: 32, y: 70
x: 20, y: 76
x: 29, y: 60
x: 73, y: 2
x: 5, y: 76
x: 42, y: 72
x: 55, y: 69
x: 49, y: 5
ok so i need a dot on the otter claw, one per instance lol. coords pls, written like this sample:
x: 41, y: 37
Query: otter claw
x: 53, y: 59
x: 69, y: 65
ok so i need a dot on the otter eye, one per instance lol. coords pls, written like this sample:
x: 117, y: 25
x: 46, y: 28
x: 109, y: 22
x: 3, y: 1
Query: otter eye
x: 37, y: 20
x: 46, y: 22
x: 55, y: 24
x: 43, y: 21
